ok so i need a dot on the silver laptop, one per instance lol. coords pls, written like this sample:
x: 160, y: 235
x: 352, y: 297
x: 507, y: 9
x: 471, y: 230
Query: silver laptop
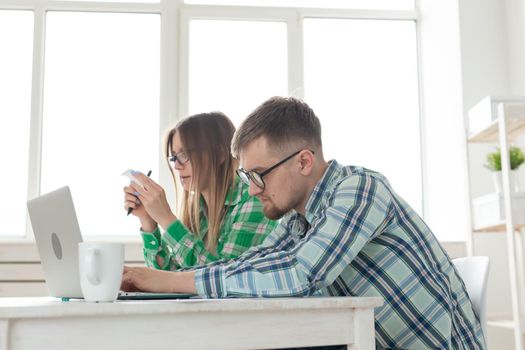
x: 57, y: 235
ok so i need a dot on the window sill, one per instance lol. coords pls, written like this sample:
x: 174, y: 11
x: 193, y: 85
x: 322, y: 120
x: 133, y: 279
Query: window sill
x: 25, y: 251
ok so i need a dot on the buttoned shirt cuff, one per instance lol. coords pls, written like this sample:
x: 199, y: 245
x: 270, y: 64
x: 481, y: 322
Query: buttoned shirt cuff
x: 151, y: 239
x: 210, y: 282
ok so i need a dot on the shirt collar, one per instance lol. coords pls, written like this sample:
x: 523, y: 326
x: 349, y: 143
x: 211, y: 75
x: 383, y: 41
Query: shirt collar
x: 323, y: 187
x: 235, y: 192
x: 233, y: 196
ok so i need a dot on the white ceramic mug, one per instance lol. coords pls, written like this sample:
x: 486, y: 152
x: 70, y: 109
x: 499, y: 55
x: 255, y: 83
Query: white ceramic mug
x: 100, y: 266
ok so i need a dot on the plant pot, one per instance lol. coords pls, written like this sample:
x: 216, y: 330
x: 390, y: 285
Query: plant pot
x: 514, y: 181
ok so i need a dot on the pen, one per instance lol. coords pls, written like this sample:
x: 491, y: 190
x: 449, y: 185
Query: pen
x: 131, y: 209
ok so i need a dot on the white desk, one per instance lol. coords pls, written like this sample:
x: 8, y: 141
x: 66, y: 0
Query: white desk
x: 47, y: 323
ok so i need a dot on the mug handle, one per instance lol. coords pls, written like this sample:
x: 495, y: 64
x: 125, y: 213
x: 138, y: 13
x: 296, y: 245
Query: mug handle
x: 91, y: 262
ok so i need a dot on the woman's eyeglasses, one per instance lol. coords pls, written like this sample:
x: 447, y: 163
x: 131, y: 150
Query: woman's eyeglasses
x: 181, y: 157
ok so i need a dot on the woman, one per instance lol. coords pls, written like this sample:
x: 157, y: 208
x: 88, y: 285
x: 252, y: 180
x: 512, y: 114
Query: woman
x: 217, y: 219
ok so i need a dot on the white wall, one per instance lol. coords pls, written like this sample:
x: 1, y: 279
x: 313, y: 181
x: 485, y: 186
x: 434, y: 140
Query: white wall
x: 515, y: 15
x: 446, y: 207
x: 484, y: 52
x: 492, y: 57
x: 483, y: 49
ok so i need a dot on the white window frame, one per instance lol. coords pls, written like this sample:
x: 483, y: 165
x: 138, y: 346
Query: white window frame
x: 174, y: 65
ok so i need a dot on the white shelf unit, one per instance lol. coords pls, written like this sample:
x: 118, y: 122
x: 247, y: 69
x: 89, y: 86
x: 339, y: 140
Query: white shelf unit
x: 500, y: 120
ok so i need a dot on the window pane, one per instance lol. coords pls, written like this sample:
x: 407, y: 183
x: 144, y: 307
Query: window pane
x: 236, y: 65
x: 363, y: 85
x: 16, y: 42
x: 356, y: 4
x: 101, y: 111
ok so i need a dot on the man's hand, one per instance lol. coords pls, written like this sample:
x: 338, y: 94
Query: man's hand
x: 150, y: 280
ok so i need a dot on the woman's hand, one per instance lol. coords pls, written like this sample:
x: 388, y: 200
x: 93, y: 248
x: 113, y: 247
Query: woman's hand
x: 153, y: 199
x: 131, y: 201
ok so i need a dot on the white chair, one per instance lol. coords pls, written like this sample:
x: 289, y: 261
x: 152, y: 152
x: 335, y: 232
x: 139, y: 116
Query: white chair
x: 474, y: 270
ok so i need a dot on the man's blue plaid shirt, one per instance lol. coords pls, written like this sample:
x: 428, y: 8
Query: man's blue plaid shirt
x: 358, y: 238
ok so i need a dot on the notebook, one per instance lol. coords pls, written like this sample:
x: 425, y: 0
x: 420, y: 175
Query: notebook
x: 57, y: 235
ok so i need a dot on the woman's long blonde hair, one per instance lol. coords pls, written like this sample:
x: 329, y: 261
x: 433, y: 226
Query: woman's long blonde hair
x: 206, y: 138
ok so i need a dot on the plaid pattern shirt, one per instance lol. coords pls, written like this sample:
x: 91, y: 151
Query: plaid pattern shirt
x: 243, y: 227
x: 358, y: 238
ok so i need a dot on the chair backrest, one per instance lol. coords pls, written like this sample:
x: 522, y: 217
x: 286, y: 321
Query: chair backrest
x: 474, y: 270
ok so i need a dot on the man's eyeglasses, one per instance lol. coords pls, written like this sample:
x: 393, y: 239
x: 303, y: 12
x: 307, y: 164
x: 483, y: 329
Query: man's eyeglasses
x: 257, y: 178
x: 181, y: 157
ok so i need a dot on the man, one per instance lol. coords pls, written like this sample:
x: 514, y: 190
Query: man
x: 344, y: 231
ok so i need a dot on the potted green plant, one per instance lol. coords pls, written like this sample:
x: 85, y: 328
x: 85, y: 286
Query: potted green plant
x: 516, y: 157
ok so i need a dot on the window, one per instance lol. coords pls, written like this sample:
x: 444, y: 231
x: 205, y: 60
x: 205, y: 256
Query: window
x: 111, y: 87
x: 350, y: 4
x: 363, y: 85
x: 235, y: 65
x: 16, y: 41
x: 101, y: 111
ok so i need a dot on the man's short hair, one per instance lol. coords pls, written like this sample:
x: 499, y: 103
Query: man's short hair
x: 284, y: 122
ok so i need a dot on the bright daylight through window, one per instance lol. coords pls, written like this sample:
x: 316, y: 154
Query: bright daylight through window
x: 16, y: 41
x: 235, y: 65
x: 370, y: 116
x: 101, y: 111
x: 110, y: 90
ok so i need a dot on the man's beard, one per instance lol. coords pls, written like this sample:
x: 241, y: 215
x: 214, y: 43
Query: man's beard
x: 273, y: 212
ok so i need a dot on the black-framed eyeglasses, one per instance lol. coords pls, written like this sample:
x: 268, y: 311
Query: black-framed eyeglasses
x: 257, y: 178
x: 182, y: 157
